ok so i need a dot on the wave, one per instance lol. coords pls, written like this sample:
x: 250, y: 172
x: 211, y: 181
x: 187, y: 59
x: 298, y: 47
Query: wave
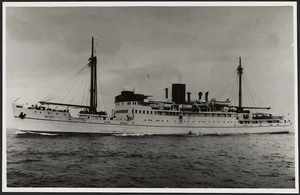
x: 130, y: 134
x: 35, y: 133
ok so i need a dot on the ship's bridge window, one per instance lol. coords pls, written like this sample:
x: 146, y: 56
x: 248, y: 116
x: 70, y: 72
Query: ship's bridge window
x: 121, y: 111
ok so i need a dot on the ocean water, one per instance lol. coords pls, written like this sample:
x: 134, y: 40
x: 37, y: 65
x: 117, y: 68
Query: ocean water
x: 233, y: 161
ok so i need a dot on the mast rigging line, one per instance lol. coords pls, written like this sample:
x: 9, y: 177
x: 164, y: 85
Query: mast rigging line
x: 81, y: 74
x: 55, y: 91
x: 231, y: 70
x: 63, y: 64
x: 227, y: 85
x: 253, y: 93
x: 84, y: 91
x: 218, y: 86
x: 79, y: 86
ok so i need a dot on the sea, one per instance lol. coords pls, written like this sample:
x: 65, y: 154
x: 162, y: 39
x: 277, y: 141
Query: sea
x: 96, y: 161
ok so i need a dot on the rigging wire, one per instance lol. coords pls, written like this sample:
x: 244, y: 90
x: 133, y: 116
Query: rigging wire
x: 73, y: 85
x: 65, y: 63
x: 79, y: 86
x: 215, y: 86
x: 232, y: 91
x: 53, y: 94
x: 85, y: 92
x: 221, y: 93
x: 253, y: 99
x: 157, y: 92
x: 250, y: 87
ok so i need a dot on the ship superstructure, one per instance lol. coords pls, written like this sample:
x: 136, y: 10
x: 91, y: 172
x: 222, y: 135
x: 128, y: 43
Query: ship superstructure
x: 139, y: 114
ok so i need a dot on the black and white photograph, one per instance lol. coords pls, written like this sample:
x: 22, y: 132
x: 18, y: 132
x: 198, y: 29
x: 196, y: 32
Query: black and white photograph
x: 150, y: 97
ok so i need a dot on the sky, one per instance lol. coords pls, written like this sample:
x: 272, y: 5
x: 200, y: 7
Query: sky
x: 149, y: 48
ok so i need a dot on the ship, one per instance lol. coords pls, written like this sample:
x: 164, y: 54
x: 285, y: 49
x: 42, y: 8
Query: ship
x: 137, y: 114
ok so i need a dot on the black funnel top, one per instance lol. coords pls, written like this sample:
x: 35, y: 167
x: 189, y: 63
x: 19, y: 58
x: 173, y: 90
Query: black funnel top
x: 178, y: 93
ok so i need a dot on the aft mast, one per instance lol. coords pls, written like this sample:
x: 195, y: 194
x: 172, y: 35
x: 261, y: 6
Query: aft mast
x: 93, y: 90
x: 240, y: 72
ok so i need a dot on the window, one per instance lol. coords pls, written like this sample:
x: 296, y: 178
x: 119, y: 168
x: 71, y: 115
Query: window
x: 135, y: 111
x: 140, y: 111
x: 121, y: 111
x: 143, y: 111
x: 151, y: 112
x: 147, y: 111
x: 128, y: 103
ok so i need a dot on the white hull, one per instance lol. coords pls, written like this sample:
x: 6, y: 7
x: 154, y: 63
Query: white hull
x: 48, y: 126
